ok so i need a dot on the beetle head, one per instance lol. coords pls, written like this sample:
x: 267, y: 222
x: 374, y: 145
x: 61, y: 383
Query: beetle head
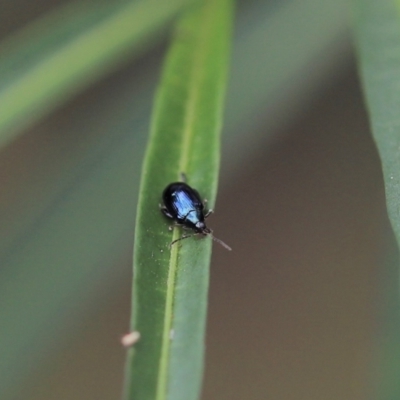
x: 202, y: 228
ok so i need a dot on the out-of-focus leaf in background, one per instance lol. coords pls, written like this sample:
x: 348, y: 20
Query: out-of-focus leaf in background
x: 377, y: 28
x: 60, y: 55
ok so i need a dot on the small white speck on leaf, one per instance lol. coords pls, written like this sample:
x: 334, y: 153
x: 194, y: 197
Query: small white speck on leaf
x: 130, y: 339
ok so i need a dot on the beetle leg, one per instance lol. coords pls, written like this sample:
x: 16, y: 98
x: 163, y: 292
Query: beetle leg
x: 177, y: 225
x: 183, y: 177
x: 174, y: 226
x: 165, y: 211
x: 208, y: 213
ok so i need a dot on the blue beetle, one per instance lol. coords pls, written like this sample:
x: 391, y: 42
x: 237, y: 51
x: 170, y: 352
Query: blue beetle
x: 183, y: 204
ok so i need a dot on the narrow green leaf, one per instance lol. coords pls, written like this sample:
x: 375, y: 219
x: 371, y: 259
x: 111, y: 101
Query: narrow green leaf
x: 45, y: 81
x: 377, y: 26
x: 170, y: 285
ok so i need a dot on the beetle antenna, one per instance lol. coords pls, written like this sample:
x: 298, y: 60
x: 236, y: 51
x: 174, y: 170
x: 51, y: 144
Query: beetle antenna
x: 223, y: 244
x: 181, y: 238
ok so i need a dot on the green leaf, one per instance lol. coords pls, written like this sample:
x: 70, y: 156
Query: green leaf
x: 378, y: 38
x: 170, y: 285
x: 63, y: 53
